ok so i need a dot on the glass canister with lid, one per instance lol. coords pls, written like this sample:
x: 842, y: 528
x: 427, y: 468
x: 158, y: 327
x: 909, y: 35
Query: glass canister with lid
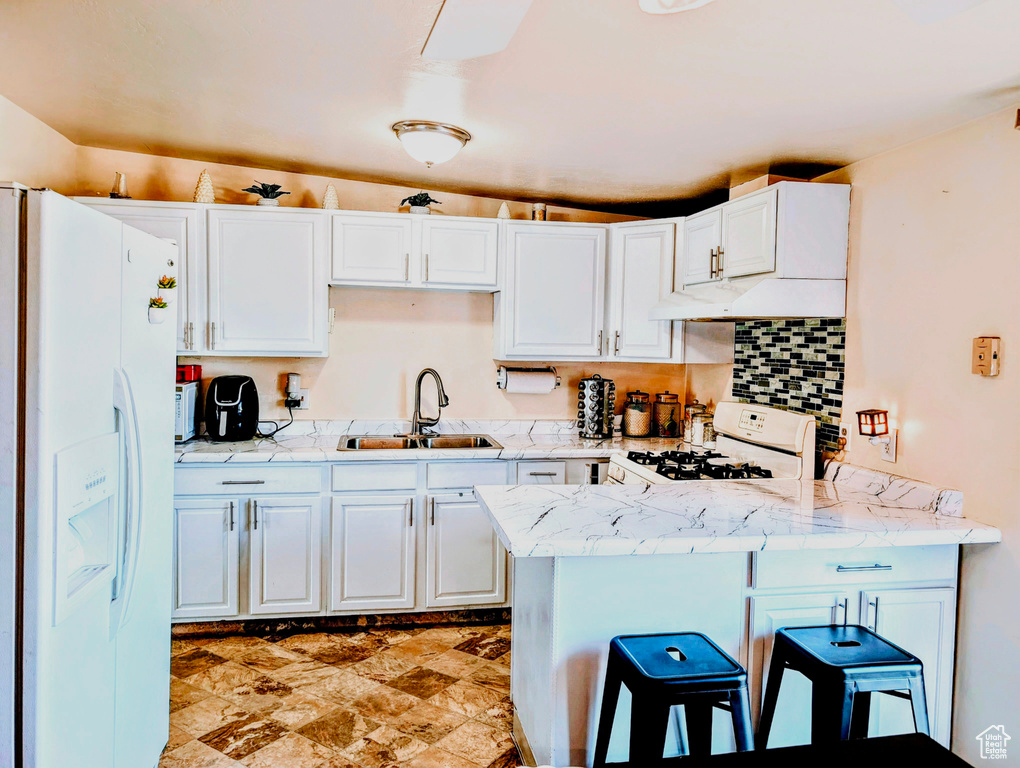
x: 637, y: 415
x: 666, y: 412
x: 689, y: 412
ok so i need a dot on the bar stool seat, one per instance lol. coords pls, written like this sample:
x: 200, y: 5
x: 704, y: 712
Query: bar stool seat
x: 845, y: 664
x: 665, y: 670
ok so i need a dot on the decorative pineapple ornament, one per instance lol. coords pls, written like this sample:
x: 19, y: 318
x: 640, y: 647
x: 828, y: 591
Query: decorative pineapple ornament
x: 504, y: 212
x: 204, y: 192
x: 331, y: 201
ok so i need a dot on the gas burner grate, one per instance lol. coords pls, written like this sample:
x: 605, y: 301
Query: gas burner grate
x: 645, y: 458
x: 674, y: 471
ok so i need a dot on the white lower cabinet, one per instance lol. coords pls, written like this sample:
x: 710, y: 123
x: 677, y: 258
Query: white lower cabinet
x: 920, y: 619
x: 372, y: 553
x: 465, y: 560
x: 206, y: 547
x: 923, y: 622
x: 775, y: 612
x: 284, y: 560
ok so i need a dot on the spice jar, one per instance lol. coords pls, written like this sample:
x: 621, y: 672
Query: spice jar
x: 667, y: 414
x: 699, y: 421
x: 637, y: 415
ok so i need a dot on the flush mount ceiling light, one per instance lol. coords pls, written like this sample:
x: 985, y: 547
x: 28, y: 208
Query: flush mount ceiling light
x: 670, y: 6
x: 430, y: 143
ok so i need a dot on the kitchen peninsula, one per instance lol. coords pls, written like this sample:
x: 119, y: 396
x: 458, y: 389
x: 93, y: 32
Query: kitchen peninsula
x: 731, y: 559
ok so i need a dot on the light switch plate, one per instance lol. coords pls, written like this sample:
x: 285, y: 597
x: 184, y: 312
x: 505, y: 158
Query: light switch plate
x: 985, y: 356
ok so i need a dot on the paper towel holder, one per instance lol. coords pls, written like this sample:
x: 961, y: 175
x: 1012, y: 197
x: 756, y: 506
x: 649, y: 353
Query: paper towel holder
x: 501, y: 373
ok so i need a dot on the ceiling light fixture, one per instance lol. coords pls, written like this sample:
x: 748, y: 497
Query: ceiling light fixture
x: 430, y: 143
x: 670, y: 6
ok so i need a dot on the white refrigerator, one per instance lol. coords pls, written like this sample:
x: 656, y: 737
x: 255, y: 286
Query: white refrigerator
x: 86, y: 486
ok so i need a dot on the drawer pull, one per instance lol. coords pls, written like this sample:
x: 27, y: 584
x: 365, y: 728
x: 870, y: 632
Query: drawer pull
x: 242, y: 482
x: 542, y: 474
x: 855, y: 568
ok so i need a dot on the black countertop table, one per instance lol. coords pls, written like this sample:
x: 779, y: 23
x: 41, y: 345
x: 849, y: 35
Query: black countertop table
x: 908, y: 749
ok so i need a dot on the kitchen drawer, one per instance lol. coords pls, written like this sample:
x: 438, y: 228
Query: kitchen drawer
x: 541, y: 472
x: 835, y: 567
x: 259, y: 479
x: 376, y: 476
x: 466, y: 475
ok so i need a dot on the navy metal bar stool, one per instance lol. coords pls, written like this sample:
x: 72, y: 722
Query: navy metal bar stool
x: 661, y: 671
x: 845, y: 665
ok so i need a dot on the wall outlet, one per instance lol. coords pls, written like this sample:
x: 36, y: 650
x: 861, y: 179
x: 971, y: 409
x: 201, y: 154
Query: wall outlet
x: 300, y: 403
x: 889, y: 448
x: 844, y: 435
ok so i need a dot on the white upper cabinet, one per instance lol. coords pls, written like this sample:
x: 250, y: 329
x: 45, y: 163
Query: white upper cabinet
x: 268, y: 289
x: 399, y: 249
x: 182, y: 224
x: 640, y: 276
x: 748, y: 235
x: 459, y: 252
x: 552, y: 304
x: 702, y: 237
x: 372, y: 250
x: 789, y: 230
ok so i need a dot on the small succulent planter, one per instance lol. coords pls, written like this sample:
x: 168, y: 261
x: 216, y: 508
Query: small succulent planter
x: 420, y: 203
x: 166, y: 289
x: 158, y: 310
x: 269, y: 194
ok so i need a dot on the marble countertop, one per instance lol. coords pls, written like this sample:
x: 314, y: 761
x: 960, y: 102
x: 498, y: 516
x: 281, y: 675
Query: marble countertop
x: 724, y: 516
x: 317, y: 442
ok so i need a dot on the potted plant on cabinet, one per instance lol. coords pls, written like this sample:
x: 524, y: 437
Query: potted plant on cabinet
x: 157, y: 310
x: 420, y: 202
x: 269, y: 194
x: 167, y: 289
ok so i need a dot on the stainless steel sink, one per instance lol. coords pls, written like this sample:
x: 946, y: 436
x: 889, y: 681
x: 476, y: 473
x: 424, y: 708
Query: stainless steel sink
x: 401, y: 442
x: 459, y: 441
x: 376, y: 443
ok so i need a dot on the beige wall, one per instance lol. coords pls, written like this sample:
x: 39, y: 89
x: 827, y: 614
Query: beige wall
x: 934, y: 262
x: 32, y: 153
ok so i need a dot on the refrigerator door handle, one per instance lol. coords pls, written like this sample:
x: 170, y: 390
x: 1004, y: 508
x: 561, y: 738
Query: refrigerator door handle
x: 124, y: 403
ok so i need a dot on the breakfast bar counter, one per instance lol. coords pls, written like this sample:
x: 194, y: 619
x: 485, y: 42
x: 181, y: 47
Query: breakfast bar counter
x: 734, y: 560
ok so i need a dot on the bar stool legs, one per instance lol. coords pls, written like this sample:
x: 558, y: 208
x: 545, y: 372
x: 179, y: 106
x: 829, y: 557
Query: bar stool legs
x: 610, y: 698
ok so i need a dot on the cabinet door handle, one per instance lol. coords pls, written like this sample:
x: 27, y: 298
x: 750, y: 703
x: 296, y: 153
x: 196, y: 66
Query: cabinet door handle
x: 407, y: 267
x: 410, y: 513
x: 600, y: 342
x: 191, y: 335
x: 255, y: 514
x: 231, y: 515
x: 712, y: 262
x: 542, y: 474
x: 718, y: 261
x: 858, y: 568
x: 874, y: 626
x: 845, y: 605
x: 432, y: 515
x: 212, y: 335
x: 426, y: 267
x: 242, y: 482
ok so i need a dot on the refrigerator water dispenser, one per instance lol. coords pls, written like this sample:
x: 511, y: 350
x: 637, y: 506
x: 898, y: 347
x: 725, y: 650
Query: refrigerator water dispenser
x: 85, y: 545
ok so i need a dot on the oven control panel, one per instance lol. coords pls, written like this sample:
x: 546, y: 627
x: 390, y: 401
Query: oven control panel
x: 752, y: 420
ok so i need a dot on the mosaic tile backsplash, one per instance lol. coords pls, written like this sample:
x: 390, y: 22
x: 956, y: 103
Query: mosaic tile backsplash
x: 796, y: 365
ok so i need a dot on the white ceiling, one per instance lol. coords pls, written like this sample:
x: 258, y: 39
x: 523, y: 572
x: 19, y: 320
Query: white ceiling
x: 592, y: 101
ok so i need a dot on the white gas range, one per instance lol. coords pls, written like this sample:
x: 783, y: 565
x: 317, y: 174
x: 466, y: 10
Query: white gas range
x: 752, y: 442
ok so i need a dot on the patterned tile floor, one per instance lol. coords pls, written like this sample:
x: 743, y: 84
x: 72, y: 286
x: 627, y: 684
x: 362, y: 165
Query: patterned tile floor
x: 415, y: 698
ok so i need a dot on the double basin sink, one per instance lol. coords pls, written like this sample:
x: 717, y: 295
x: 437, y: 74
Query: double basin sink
x: 411, y: 442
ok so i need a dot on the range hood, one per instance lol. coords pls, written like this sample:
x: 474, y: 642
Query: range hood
x: 761, y: 298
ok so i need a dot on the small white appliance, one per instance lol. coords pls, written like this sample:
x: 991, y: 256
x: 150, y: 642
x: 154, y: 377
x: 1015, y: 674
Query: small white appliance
x: 86, y: 487
x: 186, y: 411
x: 753, y: 442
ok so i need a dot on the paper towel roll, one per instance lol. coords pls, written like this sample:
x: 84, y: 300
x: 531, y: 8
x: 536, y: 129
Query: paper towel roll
x: 528, y: 382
